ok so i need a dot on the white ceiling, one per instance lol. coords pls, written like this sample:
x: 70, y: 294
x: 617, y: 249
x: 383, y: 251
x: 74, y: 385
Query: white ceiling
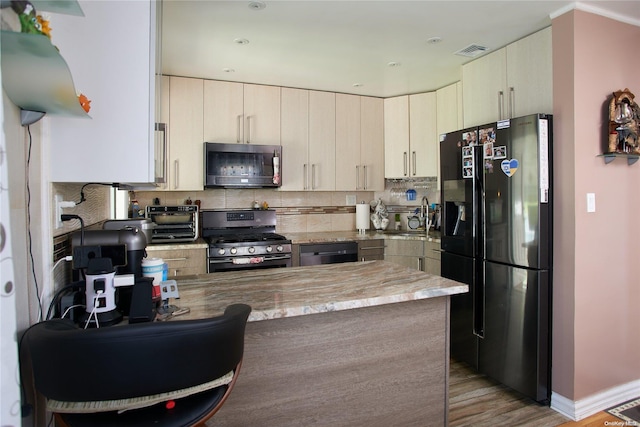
x: 332, y: 45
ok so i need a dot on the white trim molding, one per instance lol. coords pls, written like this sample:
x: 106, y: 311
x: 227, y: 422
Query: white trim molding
x: 590, y: 8
x: 583, y: 408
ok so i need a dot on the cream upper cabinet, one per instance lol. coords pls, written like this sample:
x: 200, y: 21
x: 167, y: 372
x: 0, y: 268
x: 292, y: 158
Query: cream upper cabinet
x: 348, y: 165
x: 111, y: 52
x: 294, y: 116
x: 262, y: 114
x: 359, y: 143
x: 410, y: 138
x: 396, y: 137
x: 223, y: 112
x: 449, y: 108
x: 371, y: 143
x: 241, y: 113
x: 185, y: 161
x: 321, y: 168
x: 423, y: 136
x: 530, y: 75
x: 511, y: 82
x: 449, y: 112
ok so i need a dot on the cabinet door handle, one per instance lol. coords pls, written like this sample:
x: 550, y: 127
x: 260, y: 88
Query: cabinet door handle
x: 414, y: 165
x: 305, y: 182
x: 512, y: 102
x: 365, y: 177
x: 176, y: 171
x: 239, y: 130
x: 161, y: 175
x: 313, y: 176
x: 420, y: 264
x: 248, y: 129
x: 500, y: 104
x: 357, y: 177
x: 406, y: 163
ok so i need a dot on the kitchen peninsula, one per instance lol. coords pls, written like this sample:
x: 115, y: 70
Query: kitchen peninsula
x: 364, y: 343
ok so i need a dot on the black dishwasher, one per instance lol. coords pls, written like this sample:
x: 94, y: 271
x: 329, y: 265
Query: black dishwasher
x: 328, y: 253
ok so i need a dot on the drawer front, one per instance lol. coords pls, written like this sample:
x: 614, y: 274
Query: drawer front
x: 432, y: 250
x: 182, y: 262
x: 371, y: 250
x: 400, y: 247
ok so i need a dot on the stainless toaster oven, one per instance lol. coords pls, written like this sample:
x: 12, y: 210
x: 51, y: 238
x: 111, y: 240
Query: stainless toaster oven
x: 173, y: 223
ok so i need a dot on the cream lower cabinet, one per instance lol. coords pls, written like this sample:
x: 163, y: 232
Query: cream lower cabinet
x: 409, y: 253
x: 511, y: 82
x: 185, y: 142
x: 181, y: 262
x: 370, y: 250
x: 359, y: 143
x: 241, y: 113
x: 411, y: 143
x: 432, y: 253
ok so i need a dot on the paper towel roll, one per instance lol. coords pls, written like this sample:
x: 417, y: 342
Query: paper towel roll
x: 362, y: 216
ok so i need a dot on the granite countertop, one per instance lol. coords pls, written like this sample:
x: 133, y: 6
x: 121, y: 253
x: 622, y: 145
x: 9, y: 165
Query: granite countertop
x: 297, y: 291
x: 338, y: 236
x: 199, y: 243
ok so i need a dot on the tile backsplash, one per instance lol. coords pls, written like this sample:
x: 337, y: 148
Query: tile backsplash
x: 302, y: 211
x: 296, y: 211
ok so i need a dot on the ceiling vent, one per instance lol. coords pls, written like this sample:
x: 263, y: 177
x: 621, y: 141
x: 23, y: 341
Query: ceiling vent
x: 472, y: 50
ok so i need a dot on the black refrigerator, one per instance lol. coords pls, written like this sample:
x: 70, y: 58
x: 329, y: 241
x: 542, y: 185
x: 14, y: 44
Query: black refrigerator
x: 497, y: 238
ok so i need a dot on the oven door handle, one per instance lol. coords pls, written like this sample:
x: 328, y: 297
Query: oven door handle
x: 264, y: 259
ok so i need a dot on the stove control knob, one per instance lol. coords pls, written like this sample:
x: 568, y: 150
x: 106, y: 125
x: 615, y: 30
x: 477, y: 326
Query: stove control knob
x: 269, y: 249
x: 233, y: 251
x: 251, y: 249
x: 221, y: 251
x: 279, y: 248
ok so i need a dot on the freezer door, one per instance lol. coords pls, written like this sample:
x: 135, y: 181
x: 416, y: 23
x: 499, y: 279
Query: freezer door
x: 517, y: 205
x: 460, y: 195
x: 464, y: 343
x: 515, y: 349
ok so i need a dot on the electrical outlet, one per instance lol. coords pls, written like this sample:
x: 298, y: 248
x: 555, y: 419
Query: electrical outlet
x: 58, y: 201
x: 351, y: 199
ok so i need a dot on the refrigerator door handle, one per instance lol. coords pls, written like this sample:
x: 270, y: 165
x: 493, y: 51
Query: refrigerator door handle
x: 479, y: 305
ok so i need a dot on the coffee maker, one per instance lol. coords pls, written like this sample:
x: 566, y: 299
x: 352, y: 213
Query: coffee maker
x: 110, y: 263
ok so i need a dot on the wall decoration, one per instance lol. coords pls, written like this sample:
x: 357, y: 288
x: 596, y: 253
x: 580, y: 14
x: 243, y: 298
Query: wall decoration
x: 624, y: 123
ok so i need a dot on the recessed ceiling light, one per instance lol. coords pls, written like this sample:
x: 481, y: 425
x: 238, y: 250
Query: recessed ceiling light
x: 394, y: 64
x: 434, y: 40
x: 228, y: 70
x: 241, y: 41
x: 257, y: 5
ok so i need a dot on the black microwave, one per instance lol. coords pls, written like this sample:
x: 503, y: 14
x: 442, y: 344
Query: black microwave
x: 242, y: 165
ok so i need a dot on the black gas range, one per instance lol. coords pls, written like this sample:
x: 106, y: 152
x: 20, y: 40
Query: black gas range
x: 244, y: 239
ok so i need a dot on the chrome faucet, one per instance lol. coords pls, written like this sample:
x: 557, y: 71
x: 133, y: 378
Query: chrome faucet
x: 424, y: 209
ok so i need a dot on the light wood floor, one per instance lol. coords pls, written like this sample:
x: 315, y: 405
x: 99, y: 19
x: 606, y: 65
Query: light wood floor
x: 475, y: 400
